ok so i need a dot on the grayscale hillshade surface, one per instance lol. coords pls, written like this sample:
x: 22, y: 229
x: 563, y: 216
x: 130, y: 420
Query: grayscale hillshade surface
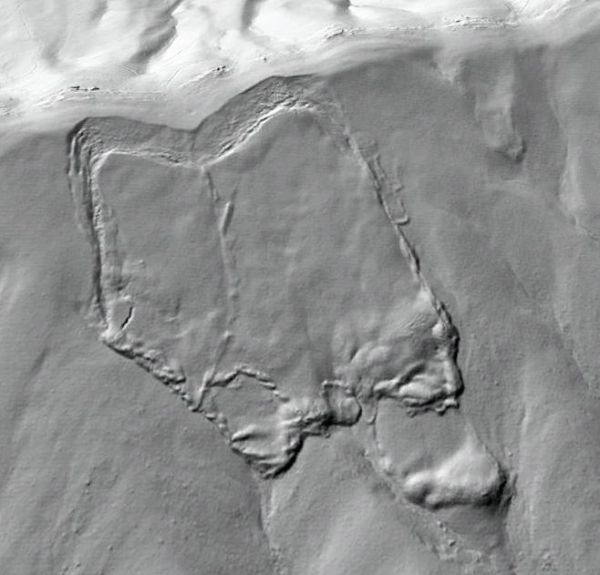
x: 300, y: 290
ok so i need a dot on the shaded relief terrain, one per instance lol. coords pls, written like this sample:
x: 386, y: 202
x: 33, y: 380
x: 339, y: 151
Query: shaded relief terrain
x: 257, y: 267
x: 345, y: 324
x: 258, y: 256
